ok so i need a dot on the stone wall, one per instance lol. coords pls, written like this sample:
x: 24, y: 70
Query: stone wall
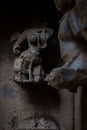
x: 39, y: 106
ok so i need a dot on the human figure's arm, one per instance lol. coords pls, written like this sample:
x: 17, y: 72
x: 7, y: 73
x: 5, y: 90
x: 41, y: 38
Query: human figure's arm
x: 60, y: 78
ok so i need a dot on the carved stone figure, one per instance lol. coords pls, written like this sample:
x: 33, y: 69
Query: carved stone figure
x: 37, y: 123
x: 73, y: 48
x: 28, y: 65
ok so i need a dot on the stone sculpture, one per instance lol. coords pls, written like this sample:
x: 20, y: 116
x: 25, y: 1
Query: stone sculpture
x: 37, y: 123
x: 73, y: 48
x: 28, y: 65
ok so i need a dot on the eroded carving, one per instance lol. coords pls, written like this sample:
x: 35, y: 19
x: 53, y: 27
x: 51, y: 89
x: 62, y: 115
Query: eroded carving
x: 73, y: 48
x: 38, y: 123
x: 28, y: 64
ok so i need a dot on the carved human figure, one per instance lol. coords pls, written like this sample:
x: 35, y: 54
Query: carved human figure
x: 73, y: 48
x: 28, y: 66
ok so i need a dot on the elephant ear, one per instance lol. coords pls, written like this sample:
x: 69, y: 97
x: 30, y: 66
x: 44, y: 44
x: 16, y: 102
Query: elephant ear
x: 19, y: 42
x: 49, y: 31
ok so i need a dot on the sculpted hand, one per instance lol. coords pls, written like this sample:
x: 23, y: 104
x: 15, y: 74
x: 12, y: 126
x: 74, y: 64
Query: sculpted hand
x: 55, y: 78
x: 61, y: 78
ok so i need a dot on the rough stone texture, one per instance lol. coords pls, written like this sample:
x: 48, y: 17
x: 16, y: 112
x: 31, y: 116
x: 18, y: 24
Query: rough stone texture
x: 78, y: 110
x: 84, y: 109
x: 26, y: 106
x: 28, y: 66
x: 20, y: 103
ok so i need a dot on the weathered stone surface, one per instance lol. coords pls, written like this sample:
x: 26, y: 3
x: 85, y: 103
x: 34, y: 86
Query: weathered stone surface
x: 19, y: 103
x: 36, y: 106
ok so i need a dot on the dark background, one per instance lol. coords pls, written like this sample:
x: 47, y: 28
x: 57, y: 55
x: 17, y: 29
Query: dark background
x: 18, y: 13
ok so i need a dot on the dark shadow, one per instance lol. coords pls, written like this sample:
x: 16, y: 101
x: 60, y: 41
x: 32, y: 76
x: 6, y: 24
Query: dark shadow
x: 41, y: 94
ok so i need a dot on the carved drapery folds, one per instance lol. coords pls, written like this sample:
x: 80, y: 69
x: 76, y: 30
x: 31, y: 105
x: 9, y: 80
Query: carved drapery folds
x: 28, y: 64
x: 73, y: 49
